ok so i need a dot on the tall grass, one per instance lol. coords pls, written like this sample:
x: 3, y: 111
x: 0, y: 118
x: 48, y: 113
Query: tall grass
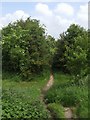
x: 69, y: 94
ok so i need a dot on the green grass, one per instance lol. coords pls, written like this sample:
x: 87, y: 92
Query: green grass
x: 22, y: 99
x: 57, y: 110
x: 69, y: 95
x: 82, y: 109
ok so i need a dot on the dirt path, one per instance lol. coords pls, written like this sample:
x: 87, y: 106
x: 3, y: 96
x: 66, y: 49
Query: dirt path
x: 68, y: 113
x: 49, y: 84
x: 67, y: 110
x: 44, y: 90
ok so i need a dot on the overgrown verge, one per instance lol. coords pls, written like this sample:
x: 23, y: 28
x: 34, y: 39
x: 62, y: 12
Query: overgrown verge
x: 21, y: 100
x: 56, y: 110
x: 69, y: 95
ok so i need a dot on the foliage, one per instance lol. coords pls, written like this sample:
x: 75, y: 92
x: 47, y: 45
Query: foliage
x: 72, y: 51
x: 11, y: 76
x: 82, y: 110
x: 88, y: 53
x: 24, y: 47
x: 76, y: 54
x: 57, y: 110
x: 58, y: 59
x: 29, y: 51
x: 51, y: 46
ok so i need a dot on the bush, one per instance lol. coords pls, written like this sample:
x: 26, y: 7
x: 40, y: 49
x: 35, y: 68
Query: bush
x: 57, y: 110
x: 24, y: 47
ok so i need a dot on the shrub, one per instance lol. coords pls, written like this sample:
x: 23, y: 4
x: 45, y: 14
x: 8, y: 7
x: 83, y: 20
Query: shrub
x: 24, y: 47
x: 57, y: 110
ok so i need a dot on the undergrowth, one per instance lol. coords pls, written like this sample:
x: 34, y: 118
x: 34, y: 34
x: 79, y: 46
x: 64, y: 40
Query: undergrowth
x: 68, y: 94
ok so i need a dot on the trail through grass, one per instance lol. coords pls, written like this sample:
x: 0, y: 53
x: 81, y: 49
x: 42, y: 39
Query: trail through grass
x: 22, y: 99
x: 70, y: 95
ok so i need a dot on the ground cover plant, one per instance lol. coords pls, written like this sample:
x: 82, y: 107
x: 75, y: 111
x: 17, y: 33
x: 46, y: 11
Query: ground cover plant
x: 22, y: 99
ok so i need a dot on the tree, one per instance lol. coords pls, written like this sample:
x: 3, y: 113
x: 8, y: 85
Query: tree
x: 72, y: 47
x: 51, y: 46
x: 24, y: 47
x: 59, y: 60
x: 77, y: 56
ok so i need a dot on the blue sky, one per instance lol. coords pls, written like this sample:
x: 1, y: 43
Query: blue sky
x: 10, y: 7
x: 57, y: 16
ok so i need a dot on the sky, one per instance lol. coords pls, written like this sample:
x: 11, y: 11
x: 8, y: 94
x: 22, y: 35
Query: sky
x: 56, y: 16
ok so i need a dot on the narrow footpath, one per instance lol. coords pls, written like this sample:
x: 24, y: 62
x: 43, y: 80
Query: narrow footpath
x: 67, y: 110
x: 44, y: 90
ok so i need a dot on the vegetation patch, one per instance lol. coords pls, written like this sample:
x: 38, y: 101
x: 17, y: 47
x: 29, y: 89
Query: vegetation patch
x: 82, y: 110
x: 22, y: 99
x: 68, y: 94
x: 57, y: 110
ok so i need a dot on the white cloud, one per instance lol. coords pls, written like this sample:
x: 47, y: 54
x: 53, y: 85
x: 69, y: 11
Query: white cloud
x: 21, y: 14
x: 82, y: 15
x: 46, y: 1
x: 55, y: 23
x: 43, y: 9
x: 64, y: 9
x: 58, y: 25
x: 62, y: 17
x: 56, y: 20
x: 13, y: 17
